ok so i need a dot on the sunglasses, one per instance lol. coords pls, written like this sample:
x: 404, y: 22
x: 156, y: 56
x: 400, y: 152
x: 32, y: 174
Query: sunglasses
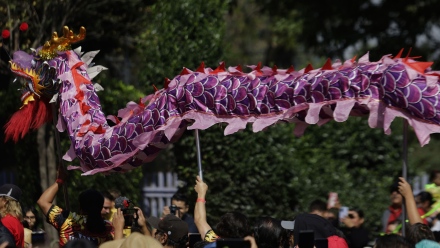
x: 351, y: 216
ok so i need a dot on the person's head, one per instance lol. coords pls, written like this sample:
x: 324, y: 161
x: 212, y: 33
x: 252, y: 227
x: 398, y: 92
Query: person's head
x: 31, y: 217
x: 9, y: 201
x: 109, y: 203
x: 233, y: 225
x: 355, y: 218
x: 268, y: 232
x: 181, y: 202
x: 135, y: 239
x: 418, y: 232
x: 322, y: 228
x: 435, y: 177
x: 318, y: 207
x: 391, y: 241
x: 395, y: 197
x: 90, y: 203
x: 172, y: 232
x: 424, y: 200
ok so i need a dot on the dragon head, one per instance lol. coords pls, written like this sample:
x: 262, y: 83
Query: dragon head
x: 39, y: 73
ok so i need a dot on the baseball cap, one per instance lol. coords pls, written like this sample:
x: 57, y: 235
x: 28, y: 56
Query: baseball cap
x: 153, y: 221
x: 10, y: 190
x: 175, y: 228
x: 321, y: 227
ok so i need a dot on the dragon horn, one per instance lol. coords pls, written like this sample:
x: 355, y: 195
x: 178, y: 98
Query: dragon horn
x: 59, y: 44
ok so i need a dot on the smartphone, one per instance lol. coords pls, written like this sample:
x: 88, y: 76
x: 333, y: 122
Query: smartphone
x: 332, y: 199
x: 321, y: 243
x: 194, y: 238
x: 306, y: 239
x: 343, y: 212
x: 233, y: 243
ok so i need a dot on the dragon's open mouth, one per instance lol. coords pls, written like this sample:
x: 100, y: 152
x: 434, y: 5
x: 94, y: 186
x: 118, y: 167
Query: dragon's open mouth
x: 41, y: 81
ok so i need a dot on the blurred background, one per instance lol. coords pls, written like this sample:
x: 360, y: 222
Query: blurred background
x: 270, y: 173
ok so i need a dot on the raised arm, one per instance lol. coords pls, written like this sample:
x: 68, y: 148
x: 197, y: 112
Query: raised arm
x: 411, y: 207
x: 200, y: 210
x: 46, y: 199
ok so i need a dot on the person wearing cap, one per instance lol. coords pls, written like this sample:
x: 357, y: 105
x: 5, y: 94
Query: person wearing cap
x: 172, y: 232
x: 88, y: 224
x: 153, y: 223
x: 11, y: 213
x: 181, y: 203
x: 322, y: 228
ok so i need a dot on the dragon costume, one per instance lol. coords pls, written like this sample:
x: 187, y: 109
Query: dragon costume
x: 391, y: 87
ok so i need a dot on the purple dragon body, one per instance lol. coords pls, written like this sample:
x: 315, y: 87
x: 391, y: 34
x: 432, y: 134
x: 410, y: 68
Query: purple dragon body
x: 389, y: 88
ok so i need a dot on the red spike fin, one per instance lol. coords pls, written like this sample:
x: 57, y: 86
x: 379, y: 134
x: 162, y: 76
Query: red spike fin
x: 327, y: 65
x: 220, y: 68
x: 407, y: 56
x: 353, y: 59
x: 291, y: 69
x: 420, y: 66
x: 308, y: 68
x: 155, y: 88
x: 141, y: 104
x: 185, y: 71
x: 201, y: 67
x: 274, y: 69
x: 238, y: 68
x: 167, y: 82
x: 258, y: 69
x: 399, y: 55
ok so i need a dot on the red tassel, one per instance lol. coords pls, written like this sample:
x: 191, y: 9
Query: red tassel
x: 30, y: 116
x: 42, y: 115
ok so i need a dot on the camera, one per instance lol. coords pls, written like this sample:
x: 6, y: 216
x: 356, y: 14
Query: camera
x: 130, y: 213
x: 174, y: 209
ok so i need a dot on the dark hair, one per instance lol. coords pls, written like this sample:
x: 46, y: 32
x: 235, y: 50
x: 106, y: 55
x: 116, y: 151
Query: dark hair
x: 317, y: 205
x: 391, y: 241
x: 418, y: 232
x: 359, y: 211
x: 91, y: 203
x: 233, y: 225
x: 37, y: 216
x: 269, y: 233
x: 180, y: 197
x: 426, y: 196
x: 80, y: 243
x: 115, y: 193
x: 107, y: 195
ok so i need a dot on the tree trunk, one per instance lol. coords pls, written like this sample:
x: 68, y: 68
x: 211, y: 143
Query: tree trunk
x: 47, y: 165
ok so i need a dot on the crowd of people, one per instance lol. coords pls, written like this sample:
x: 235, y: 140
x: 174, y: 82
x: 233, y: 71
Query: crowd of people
x: 104, y: 221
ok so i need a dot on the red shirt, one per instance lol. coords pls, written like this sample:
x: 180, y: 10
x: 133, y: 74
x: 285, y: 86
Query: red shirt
x: 396, y: 212
x: 16, y: 228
